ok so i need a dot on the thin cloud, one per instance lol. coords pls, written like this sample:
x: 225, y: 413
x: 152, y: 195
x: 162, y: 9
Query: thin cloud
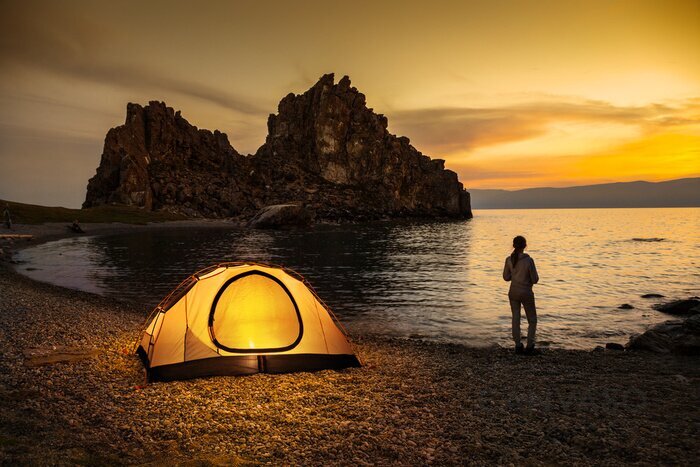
x: 469, y: 172
x: 57, y: 135
x: 448, y: 129
x: 32, y: 41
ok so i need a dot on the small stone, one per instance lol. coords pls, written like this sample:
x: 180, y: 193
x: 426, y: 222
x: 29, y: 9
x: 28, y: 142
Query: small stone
x: 681, y: 379
x: 614, y: 346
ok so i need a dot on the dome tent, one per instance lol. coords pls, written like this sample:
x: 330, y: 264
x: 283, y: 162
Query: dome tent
x: 240, y: 319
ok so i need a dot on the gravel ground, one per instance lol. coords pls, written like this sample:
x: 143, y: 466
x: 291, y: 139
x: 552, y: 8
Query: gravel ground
x: 412, y: 403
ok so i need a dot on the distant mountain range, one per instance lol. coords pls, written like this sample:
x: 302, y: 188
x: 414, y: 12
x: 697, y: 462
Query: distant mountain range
x: 684, y: 192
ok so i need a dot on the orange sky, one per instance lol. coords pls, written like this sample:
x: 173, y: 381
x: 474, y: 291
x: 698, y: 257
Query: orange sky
x: 512, y: 94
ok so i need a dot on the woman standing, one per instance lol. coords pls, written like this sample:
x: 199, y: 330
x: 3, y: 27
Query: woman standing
x: 521, y: 272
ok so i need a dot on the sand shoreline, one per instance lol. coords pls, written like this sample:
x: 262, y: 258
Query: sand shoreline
x: 53, y: 231
x: 412, y: 403
x: 50, y: 231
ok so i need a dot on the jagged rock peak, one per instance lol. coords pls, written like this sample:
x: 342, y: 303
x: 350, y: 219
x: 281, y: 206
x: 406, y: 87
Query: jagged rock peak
x: 331, y: 133
x: 325, y: 150
x: 157, y: 159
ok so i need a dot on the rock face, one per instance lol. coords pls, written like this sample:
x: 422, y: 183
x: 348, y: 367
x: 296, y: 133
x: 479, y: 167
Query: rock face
x: 157, y: 160
x: 337, y: 155
x: 325, y: 149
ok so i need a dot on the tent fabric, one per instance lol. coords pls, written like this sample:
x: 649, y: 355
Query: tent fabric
x: 242, y: 318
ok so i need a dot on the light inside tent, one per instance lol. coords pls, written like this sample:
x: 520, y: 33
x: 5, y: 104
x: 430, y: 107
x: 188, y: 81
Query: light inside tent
x: 255, y: 312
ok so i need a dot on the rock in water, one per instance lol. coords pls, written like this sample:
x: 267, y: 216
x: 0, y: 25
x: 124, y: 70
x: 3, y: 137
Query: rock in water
x: 674, y: 336
x: 689, y: 306
x: 281, y: 215
x: 325, y: 148
x: 681, y: 336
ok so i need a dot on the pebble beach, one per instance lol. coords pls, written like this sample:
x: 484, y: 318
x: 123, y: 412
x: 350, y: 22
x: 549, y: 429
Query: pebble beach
x: 412, y: 403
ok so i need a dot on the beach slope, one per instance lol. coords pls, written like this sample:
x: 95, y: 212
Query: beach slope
x: 412, y: 402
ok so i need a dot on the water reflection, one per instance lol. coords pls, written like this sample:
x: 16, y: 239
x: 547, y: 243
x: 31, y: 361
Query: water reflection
x: 439, y: 280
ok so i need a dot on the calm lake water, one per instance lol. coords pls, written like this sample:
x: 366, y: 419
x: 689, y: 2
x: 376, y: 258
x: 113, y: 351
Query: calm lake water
x: 434, y: 280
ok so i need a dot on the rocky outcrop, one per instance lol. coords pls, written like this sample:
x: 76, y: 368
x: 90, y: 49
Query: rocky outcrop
x: 688, y: 306
x: 337, y: 155
x: 325, y: 150
x: 673, y: 336
x: 679, y: 336
x: 157, y: 160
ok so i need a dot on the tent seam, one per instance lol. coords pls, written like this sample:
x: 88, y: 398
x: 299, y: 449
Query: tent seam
x: 323, y: 331
x: 187, y: 326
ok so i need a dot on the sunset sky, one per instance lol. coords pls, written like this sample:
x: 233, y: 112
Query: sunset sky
x: 513, y: 94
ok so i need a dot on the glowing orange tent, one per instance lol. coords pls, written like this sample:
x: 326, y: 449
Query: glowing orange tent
x: 240, y: 319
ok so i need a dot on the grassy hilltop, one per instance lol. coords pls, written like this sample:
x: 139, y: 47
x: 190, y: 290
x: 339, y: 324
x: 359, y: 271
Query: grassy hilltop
x: 35, y: 214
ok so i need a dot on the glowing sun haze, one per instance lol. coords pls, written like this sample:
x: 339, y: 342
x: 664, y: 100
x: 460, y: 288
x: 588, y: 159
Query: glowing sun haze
x: 512, y: 94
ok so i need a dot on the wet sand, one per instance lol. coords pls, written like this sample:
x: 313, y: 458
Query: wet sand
x: 412, y: 402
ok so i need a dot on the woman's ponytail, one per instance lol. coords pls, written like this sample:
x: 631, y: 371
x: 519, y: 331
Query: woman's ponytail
x: 519, y: 244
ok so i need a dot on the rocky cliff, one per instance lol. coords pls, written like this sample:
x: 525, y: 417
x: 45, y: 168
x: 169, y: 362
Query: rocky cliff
x: 325, y: 149
x: 157, y: 160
